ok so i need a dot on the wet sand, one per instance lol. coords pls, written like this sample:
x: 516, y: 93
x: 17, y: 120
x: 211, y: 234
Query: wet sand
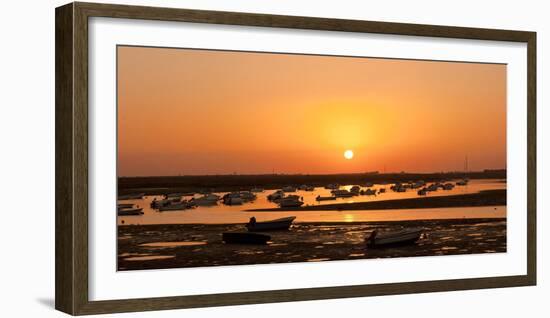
x: 483, y: 198
x: 197, y: 245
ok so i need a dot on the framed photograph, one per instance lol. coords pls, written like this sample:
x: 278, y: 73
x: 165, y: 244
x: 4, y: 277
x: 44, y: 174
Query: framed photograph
x: 211, y: 158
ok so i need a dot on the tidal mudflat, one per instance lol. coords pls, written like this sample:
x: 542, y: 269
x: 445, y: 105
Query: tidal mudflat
x: 194, y: 245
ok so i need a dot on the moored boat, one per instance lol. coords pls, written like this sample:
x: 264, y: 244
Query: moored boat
x: 271, y: 225
x: 245, y: 238
x: 125, y: 205
x: 131, y: 196
x: 320, y: 198
x: 290, y: 203
x: 386, y: 239
x: 130, y: 211
x: 176, y: 206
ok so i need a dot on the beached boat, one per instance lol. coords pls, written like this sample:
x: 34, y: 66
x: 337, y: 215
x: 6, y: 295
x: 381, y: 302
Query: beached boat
x: 125, y: 205
x: 382, y: 190
x: 245, y: 238
x: 386, y: 239
x: 290, y: 203
x: 131, y: 196
x: 462, y: 182
x: 276, y: 195
x: 247, y: 196
x: 155, y: 204
x: 342, y: 193
x: 272, y: 225
x: 130, y: 211
x: 289, y: 189
x: 176, y: 206
x: 320, y: 198
x: 206, y: 200
x: 332, y: 186
x: 355, y: 189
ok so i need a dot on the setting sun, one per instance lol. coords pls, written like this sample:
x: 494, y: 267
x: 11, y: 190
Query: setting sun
x: 348, y: 154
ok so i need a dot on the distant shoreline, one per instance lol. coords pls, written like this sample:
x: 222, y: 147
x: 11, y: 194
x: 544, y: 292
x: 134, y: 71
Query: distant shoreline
x: 483, y: 198
x: 222, y: 183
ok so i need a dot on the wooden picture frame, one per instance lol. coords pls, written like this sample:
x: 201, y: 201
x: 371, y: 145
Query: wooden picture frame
x: 71, y: 90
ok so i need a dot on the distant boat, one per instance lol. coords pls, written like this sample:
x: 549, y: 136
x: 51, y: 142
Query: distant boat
x: 176, y: 206
x: 276, y: 195
x: 155, y: 204
x: 289, y: 189
x: 403, y: 237
x: 355, y: 189
x: 462, y: 182
x: 342, y: 193
x: 131, y: 196
x: 272, y: 225
x: 131, y: 211
x: 332, y: 186
x: 179, y: 194
x: 206, y: 200
x: 256, y: 190
x: 245, y: 238
x: 320, y: 198
x: 247, y: 196
x: 125, y: 205
x: 290, y: 203
x: 305, y: 187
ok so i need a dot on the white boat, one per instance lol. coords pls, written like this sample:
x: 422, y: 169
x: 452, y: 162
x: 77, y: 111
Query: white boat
x: 403, y: 237
x: 271, y: 225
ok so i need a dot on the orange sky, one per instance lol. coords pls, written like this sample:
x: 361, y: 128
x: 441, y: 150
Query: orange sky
x: 201, y: 112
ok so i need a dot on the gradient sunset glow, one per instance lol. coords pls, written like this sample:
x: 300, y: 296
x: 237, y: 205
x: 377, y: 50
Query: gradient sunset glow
x: 204, y: 112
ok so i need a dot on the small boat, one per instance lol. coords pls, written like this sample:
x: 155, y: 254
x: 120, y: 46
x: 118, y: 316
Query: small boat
x: 462, y: 182
x: 204, y: 201
x: 131, y: 196
x: 256, y: 190
x: 355, y: 189
x: 422, y: 191
x: 290, y: 203
x: 342, y: 193
x: 233, y: 198
x: 125, y: 205
x: 369, y: 192
x: 332, y: 186
x: 247, y: 196
x: 289, y: 189
x: 386, y: 239
x: 174, y: 195
x: 320, y: 198
x: 245, y: 238
x: 382, y: 190
x: 272, y: 225
x: 276, y: 195
x: 131, y: 211
x: 448, y: 186
x: 176, y: 206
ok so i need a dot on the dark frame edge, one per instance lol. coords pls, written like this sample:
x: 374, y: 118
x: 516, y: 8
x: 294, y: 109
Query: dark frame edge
x: 72, y: 159
x: 64, y: 235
